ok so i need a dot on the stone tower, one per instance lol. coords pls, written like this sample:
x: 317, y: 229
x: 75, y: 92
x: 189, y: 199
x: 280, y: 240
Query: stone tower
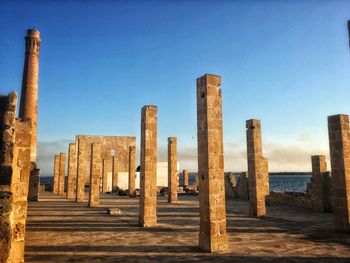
x: 29, y: 96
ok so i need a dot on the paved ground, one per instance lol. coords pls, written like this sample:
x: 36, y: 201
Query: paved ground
x: 60, y: 230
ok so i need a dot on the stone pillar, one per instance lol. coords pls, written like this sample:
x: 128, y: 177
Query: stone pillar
x: 148, y: 172
x: 72, y: 171
x: 95, y: 175
x: 80, y: 172
x: 243, y: 187
x: 212, y: 211
x: 34, y: 181
x: 106, y: 168
x: 56, y: 174
x: 62, y: 173
x: 185, y: 177
x: 257, y: 169
x: 29, y: 95
x: 339, y: 144
x: 132, y: 168
x: 115, y: 171
x: 320, y: 192
x: 172, y: 170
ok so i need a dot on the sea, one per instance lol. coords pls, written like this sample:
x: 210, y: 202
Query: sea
x: 278, y: 182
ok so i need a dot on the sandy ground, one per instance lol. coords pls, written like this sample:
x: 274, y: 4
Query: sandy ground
x: 60, y: 230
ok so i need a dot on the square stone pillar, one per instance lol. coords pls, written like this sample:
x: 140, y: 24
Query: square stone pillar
x: 172, y: 170
x: 34, y: 181
x: 95, y: 175
x: 106, y: 168
x: 320, y: 187
x: 148, y: 172
x: 80, y: 189
x: 72, y: 171
x: 339, y: 144
x: 56, y: 174
x: 212, y: 208
x: 257, y: 169
x: 115, y: 165
x: 132, y: 168
x: 61, y: 173
x: 185, y: 177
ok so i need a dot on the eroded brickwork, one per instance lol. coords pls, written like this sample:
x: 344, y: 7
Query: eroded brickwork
x: 320, y: 190
x: 62, y: 173
x: 56, y: 173
x: 339, y: 144
x: 115, y: 173
x: 185, y: 177
x: 15, y: 168
x: 172, y: 170
x: 132, y: 169
x: 148, y: 172
x: 72, y: 171
x: 257, y: 169
x: 212, y: 231
x: 95, y: 175
x: 34, y: 182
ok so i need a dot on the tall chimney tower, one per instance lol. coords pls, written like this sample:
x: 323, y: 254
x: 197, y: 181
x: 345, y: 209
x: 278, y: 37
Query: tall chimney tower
x: 29, y: 95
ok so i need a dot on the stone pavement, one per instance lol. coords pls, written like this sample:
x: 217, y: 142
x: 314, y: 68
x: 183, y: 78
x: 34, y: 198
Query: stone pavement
x: 60, y: 230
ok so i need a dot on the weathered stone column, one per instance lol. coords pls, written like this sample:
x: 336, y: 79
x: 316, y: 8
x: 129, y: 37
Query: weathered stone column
x: 62, y: 173
x: 34, y: 181
x: 29, y: 95
x: 72, y: 171
x: 115, y: 171
x: 132, y: 159
x: 172, y: 170
x: 257, y: 169
x: 212, y: 211
x: 95, y: 175
x: 106, y: 168
x: 56, y: 174
x: 80, y: 189
x: 320, y: 187
x: 185, y: 177
x: 148, y: 172
x: 339, y: 144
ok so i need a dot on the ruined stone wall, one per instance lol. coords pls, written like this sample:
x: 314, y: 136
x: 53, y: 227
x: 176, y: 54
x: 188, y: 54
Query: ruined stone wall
x: 14, y: 178
x: 34, y: 182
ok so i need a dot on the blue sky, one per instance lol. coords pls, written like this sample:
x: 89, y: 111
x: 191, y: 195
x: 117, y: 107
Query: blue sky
x: 284, y: 62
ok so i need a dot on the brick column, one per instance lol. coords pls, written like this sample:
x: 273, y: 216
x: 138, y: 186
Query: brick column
x: 185, y: 177
x: 95, y: 175
x: 56, y: 174
x: 132, y: 159
x: 72, y: 171
x: 148, y: 172
x: 80, y: 189
x: 61, y: 173
x: 115, y: 165
x: 34, y: 181
x: 257, y: 169
x: 106, y: 168
x: 339, y: 144
x: 212, y: 230
x: 172, y: 170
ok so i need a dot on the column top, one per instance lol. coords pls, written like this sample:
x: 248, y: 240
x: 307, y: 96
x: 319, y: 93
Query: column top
x: 209, y: 79
x: 338, y: 117
x: 172, y: 139
x: 33, y: 33
x: 253, y: 123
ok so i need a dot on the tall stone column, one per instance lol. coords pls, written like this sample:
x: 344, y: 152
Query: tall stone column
x: 339, y: 144
x: 62, y: 173
x: 72, y: 171
x: 95, y: 175
x: 172, y: 170
x: 132, y: 159
x: 257, y: 169
x: 185, y: 177
x: 148, y: 172
x: 29, y: 95
x: 115, y: 171
x: 80, y: 189
x: 106, y: 168
x: 212, y: 210
x: 34, y: 182
x: 56, y: 174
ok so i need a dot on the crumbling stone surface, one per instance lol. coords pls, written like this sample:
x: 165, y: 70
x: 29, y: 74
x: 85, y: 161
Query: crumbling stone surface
x: 148, y: 169
x: 339, y: 144
x: 56, y: 174
x: 62, y: 172
x: 72, y: 171
x: 172, y: 170
x: 212, y: 230
x: 34, y: 182
x: 95, y: 175
x: 243, y: 187
x: 230, y: 185
x: 258, y: 175
x: 132, y: 169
